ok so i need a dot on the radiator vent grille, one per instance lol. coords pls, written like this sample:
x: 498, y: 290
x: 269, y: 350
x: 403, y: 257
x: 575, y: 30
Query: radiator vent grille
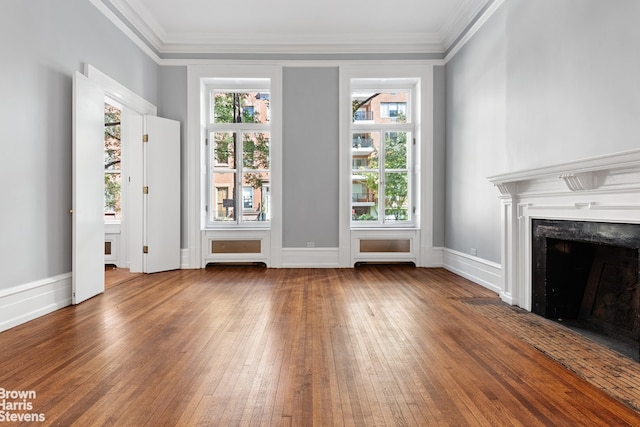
x: 236, y: 246
x: 385, y: 245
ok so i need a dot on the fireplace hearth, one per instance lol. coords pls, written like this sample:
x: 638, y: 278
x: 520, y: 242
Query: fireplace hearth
x: 586, y: 275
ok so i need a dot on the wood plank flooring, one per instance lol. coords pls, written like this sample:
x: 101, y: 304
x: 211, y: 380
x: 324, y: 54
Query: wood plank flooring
x: 226, y: 346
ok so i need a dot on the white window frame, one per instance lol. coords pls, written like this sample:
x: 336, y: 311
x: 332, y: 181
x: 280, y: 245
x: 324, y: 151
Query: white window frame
x: 421, y: 231
x: 230, y: 85
x: 387, y: 86
x: 199, y: 233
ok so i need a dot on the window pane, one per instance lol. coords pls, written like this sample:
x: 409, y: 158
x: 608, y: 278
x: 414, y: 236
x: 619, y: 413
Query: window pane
x: 395, y: 154
x: 370, y: 106
x: 112, y: 185
x: 364, y: 196
x: 112, y: 148
x: 224, y: 152
x: 255, y: 196
x: 364, y: 151
x: 396, y: 199
x: 240, y: 107
x: 255, y: 149
x: 223, y: 194
x: 112, y: 162
x: 247, y: 198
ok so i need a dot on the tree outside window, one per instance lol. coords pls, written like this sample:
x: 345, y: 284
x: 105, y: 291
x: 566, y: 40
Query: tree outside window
x: 112, y: 162
x: 240, y: 157
x: 381, y: 158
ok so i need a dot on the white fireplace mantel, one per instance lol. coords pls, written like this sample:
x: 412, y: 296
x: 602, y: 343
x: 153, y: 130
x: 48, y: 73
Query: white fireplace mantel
x: 604, y: 189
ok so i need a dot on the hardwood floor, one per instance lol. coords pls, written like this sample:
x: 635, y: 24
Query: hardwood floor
x: 371, y: 346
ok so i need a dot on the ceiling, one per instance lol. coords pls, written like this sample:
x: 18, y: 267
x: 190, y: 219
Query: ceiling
x: 298, y: 26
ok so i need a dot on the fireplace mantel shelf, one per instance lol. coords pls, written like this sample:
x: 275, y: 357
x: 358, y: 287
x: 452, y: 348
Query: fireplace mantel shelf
x: 609, y: 172
x: 601, y: 189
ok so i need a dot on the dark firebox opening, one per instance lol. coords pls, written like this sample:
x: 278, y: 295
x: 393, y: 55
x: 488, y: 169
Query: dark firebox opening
x: 586, y: 275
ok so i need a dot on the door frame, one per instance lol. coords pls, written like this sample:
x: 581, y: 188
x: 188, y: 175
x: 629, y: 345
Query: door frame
x: 132, y: 105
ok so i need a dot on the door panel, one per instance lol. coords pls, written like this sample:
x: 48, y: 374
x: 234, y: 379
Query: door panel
x: 162, y: 207
x: 132, y: 131
x: 88, y: 189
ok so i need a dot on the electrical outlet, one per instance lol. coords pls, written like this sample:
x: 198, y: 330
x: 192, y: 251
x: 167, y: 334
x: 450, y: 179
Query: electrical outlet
x: 311, y: 244
x: 474, y: 252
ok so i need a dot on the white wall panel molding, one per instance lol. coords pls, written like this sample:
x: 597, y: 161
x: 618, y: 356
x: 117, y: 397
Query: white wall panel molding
x: 431, y: 257
x: 184, y: 259
x: 26, y: 302
x: 236, y: 246
x: 310, y: 258
x: 485, y: 273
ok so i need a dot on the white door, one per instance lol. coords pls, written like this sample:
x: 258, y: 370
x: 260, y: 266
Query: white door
x: 132, y: 133
x: 162, y: 198
x: 88, y: 189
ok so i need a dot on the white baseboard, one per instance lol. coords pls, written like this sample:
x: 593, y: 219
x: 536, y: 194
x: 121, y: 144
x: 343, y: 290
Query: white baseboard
x: 310, y: 258
x: 478, y: 270
x: 433, y: 257
x: 184, y: 259
x: 330, y: 258
x: 23, y: 303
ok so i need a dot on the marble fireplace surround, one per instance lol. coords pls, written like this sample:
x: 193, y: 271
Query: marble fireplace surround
x: 603, y: 189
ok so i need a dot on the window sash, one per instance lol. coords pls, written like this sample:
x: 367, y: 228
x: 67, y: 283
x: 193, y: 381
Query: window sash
x: 390, y: 209
x: 241, y: 165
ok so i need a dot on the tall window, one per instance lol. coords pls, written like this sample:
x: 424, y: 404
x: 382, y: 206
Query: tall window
x: 238, y: 152
x: 382, y: 153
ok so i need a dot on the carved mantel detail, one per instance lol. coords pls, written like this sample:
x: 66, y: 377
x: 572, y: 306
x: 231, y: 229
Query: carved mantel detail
x: 613, y: 172
x: 578, y: 181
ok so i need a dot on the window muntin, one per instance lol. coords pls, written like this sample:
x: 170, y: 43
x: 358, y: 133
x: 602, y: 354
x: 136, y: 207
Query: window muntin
x: 239, y: 155
x: 246, y: 180
x: 382, y: 146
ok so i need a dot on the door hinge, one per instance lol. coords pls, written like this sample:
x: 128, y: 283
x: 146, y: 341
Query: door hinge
x: 206, y: 208
x: 414, y: 141
x: 145, y: 137
x: 206, y: 141
x: 145, y: 249
x: 413, y: 210
x: 145, y: 190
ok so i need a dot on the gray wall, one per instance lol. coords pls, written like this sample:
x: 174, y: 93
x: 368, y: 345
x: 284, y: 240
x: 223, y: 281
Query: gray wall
x: 439, y: 150
x: 573, y: 83
x: 542, y: 82
x: 475, y: 147
x: 43, y: 43
x: 310, y: 157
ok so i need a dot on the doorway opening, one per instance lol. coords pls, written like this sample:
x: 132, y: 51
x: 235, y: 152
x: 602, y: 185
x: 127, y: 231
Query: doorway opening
x: 114, y: 234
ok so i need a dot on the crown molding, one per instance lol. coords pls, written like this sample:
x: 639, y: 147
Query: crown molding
x: 305, y: 44
x: 139, y: 25
x: 142, y: 42
x: 142, y: 19
x: 466, y: 35
x: 465, y: 13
